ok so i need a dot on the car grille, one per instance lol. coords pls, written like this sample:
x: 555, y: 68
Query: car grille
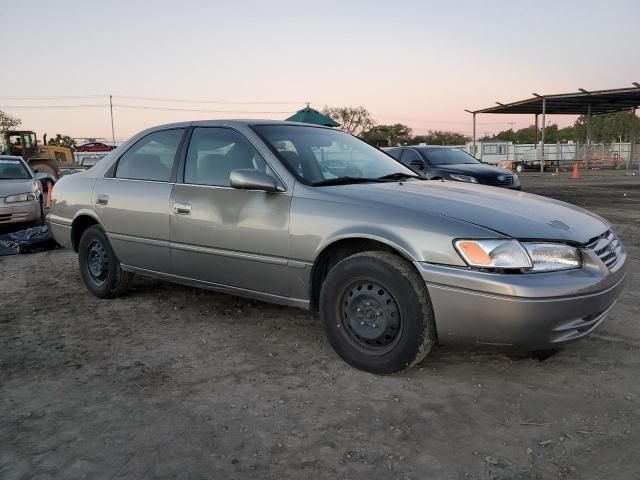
x: 5, y: 217
x: 506, y: 180
x: 607, y: 247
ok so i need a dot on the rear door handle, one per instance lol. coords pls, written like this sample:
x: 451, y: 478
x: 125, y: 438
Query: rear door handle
x: 102, y: 199
x: 182, y: 208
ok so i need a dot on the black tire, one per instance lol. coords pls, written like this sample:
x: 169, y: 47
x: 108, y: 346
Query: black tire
x: 99, y: 267
x: 394, y: 328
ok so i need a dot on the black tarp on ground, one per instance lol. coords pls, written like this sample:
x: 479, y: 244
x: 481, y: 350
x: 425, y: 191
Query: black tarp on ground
x: 29, y: 240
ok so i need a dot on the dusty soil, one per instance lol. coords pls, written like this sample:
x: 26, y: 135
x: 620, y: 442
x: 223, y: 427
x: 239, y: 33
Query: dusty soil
x: 175, y: 382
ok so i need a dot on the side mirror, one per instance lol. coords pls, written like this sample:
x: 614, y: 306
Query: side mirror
x: 251, y: 179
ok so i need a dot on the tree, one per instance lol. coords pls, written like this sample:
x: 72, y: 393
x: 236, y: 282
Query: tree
x: 608, y: 127
x: 387, y: 135
x: 353, y: 120
x: 441, y: 137
x: 8, y: 122
x: 63, y: 141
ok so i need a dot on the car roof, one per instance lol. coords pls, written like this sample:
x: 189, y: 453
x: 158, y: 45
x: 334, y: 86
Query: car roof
x: 430, y: 147
x: 231, y: 122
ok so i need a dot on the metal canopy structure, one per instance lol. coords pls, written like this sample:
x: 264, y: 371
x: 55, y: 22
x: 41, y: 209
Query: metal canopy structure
x: 582, y: 102
x: 579, y: 103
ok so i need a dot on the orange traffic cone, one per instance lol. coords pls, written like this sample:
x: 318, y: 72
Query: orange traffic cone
x: 49, y: 196
x: 575, y: 175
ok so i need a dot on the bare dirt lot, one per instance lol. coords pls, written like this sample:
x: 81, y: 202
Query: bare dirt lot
x: 175, y: 382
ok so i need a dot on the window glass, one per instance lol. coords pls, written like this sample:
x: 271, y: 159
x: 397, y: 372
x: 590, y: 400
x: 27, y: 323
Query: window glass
x: 152, y: 157
x: 215, y: 152
x: 413, y: 159
x: 319, y: 154
x: 13, y: 169
x: 489, y: 149
x: 447, y: 156
x: 395, y: 153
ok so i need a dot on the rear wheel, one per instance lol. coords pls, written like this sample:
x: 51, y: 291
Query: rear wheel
x: 99, y: 267
x: 376, y: 312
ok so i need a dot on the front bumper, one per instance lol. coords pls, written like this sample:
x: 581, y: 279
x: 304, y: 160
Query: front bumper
x: 20, y: 212
x: 528, y: 311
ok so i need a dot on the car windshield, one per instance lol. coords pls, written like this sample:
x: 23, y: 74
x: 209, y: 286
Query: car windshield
x: 320, y: 156
x: 13, y: 170
x: 447, y: 156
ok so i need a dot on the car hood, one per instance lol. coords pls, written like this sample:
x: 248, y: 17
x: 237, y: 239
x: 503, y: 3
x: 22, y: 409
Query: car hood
x: 477, y: 169
x: 12, y: 187
x: 515, y: 214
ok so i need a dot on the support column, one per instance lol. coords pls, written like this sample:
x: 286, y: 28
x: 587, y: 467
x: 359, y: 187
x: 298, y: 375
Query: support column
x: 588, y: 157
x: 474, y: 134
x: 632, y: 139
x: 544, y: 116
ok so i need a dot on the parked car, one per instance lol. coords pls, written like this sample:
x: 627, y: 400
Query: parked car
x: 448, y: 163
x: 94, y: 147
x: 46, y: 179
x: 20, y: 192
x: 315, y: 218
x: 90, y: 161
x: 71, y: 171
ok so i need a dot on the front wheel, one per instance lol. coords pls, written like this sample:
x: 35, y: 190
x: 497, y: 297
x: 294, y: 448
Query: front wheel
x: 376, y: 313
x: 99, y: 267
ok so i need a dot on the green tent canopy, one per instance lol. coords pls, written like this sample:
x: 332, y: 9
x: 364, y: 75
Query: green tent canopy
x: 309, y: 115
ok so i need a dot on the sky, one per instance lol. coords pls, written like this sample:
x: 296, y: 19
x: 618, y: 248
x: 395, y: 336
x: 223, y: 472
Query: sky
x: 421, y: 63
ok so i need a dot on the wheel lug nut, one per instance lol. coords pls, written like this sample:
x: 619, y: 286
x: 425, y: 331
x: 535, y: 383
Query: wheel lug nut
x: 379, y: 313
x: 358, y: 309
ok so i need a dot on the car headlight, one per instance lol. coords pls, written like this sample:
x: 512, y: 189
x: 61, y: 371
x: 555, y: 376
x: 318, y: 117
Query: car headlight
x: 21, y: 197
x: 507, y: 254
x: 463, y: 178
x: 547, y: 257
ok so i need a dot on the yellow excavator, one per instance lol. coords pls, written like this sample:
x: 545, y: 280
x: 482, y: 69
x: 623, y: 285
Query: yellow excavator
x: 41, y: 158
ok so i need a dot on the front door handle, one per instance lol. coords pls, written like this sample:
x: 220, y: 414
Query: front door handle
x: 182, y: 208
x: 102, y: 199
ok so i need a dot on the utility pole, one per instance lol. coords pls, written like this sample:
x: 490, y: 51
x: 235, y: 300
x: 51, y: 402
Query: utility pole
x: 113, y: 134
x: 474, y: 131
x: 632, y: 139
x: 544, y: 114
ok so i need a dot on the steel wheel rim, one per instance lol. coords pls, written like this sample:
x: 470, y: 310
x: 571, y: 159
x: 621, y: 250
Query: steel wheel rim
x: 371, y: 318
x: 97, y: 262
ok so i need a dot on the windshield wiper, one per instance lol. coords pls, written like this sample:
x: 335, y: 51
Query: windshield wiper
x: 398, y: 176
x: 344, y: 181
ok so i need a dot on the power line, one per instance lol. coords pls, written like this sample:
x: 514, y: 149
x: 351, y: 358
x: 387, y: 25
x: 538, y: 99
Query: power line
x: 136, y: 107
x: 173, y: 109
x: 156, y: 99
x: 57, y: 97
x: 222, y: 102
x: 45, y: 107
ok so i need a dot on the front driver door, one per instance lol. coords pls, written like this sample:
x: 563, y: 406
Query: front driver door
x: 222, y: 235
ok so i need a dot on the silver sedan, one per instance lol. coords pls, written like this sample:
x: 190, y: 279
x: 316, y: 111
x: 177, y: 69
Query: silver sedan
x: 20, y: 192
x: 314, y: 218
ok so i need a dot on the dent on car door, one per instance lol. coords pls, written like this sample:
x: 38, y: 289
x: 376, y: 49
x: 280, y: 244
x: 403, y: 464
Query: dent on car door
x: 132, y: 201
x: 228, y: 236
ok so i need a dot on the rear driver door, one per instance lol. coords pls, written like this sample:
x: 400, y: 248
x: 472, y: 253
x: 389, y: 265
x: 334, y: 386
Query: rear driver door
x: 132, y: 200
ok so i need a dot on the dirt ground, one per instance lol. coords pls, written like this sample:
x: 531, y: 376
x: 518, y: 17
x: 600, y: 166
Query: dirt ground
x: 175, y: 382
